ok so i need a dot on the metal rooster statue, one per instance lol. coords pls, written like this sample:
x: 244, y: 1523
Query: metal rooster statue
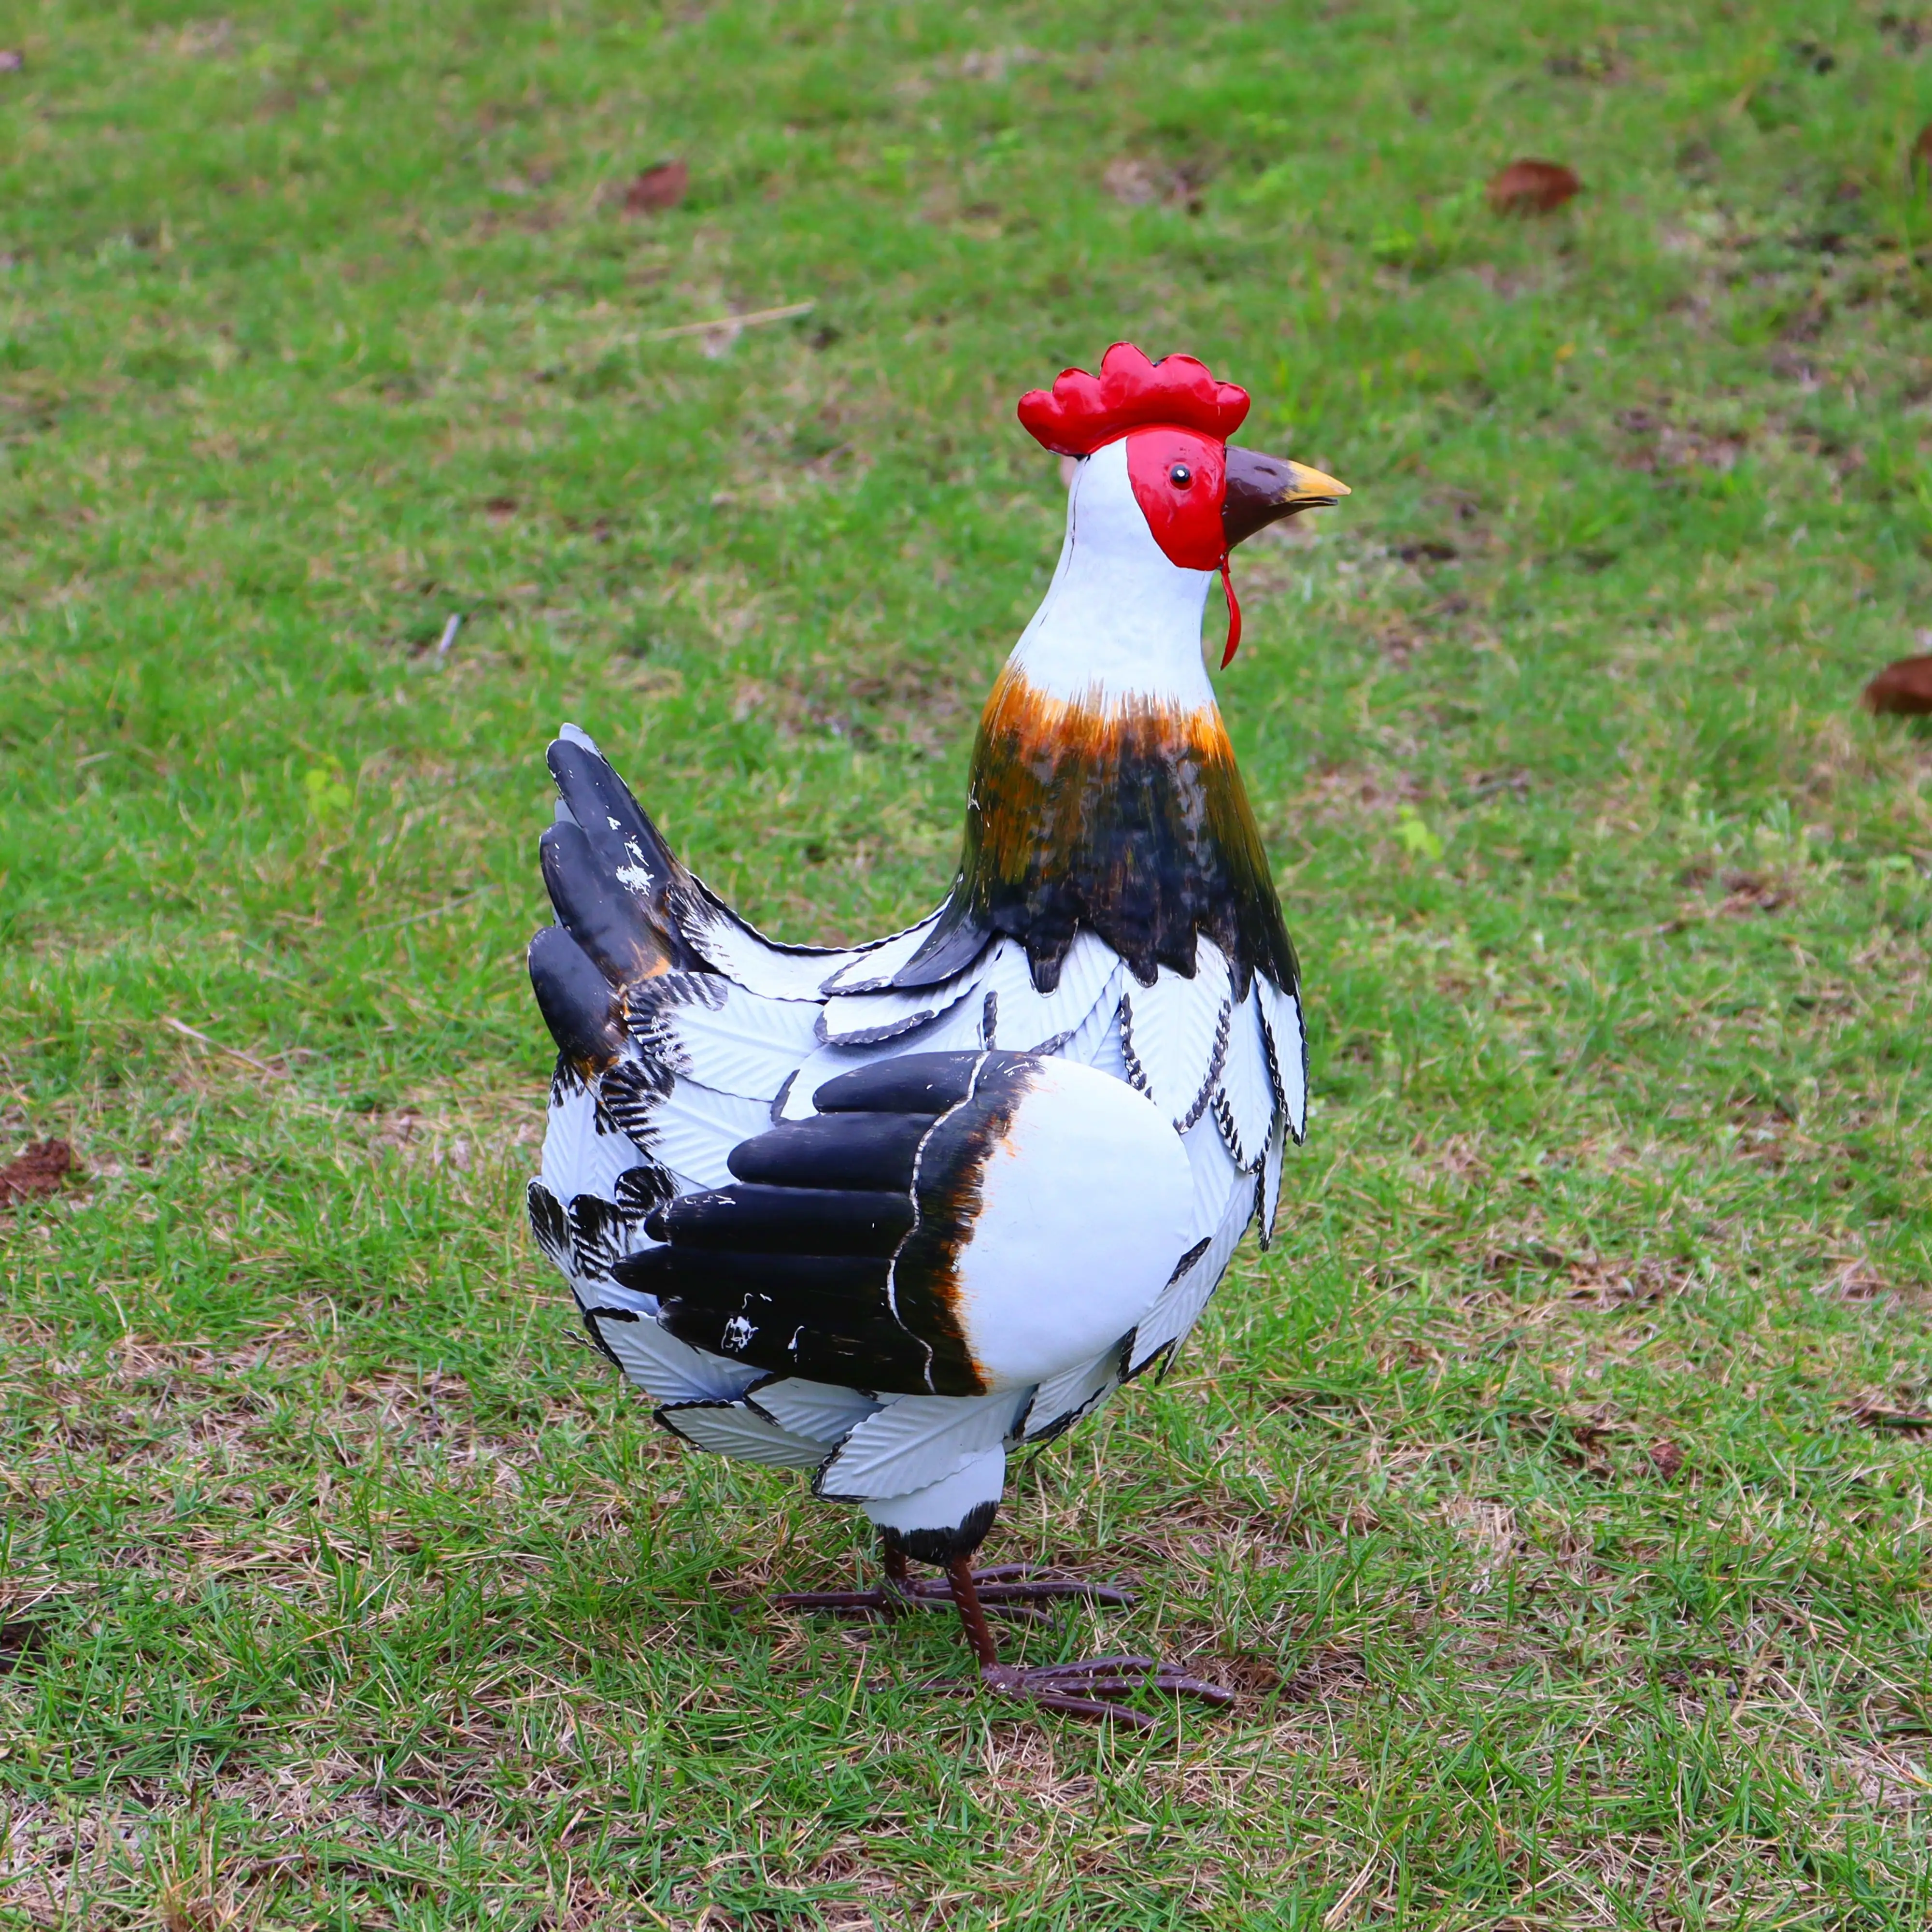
x: 883, y: 1215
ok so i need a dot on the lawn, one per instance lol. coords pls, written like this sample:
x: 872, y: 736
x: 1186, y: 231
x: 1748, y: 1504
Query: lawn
x: 1554, y: 1490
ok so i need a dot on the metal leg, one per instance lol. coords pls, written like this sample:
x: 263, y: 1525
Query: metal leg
x: 972, y: 1614
x: 1095, y: 1689
x: 1013, y: 1590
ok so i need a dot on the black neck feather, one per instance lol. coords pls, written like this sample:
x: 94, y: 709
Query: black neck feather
x: 1131, y: 822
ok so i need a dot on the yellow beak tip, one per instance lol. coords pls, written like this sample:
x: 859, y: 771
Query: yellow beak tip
x: 1312, y: 483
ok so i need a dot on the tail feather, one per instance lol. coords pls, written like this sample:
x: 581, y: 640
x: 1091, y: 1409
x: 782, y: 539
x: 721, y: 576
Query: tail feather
x: 609, y: 923
x: 612, y: 870
x: 579, y: 1004
x: 611, y: 876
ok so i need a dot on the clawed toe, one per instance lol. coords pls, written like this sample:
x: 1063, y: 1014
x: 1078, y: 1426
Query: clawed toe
x: 1013, y: 1592
x: 1100, y: 1689
x: 1097, y: 1687
x: 935, y: 1593
x: 856, y: 1602
x: 1008, y: 1588
x: 894, y: 1601
x: 1019, y: 1583
x: 1112, y: 1677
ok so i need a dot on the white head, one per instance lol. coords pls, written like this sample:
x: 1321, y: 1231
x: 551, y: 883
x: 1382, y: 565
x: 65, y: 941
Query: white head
x: 1120, y: 618
x: 1158, y: 499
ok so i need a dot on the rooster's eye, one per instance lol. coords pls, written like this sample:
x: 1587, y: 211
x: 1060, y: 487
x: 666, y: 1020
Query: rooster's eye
x: 1181, y: 476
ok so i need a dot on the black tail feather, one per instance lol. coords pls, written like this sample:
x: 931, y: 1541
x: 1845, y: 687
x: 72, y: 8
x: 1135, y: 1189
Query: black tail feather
x: 609, y: 923
x: 611, y: 877
x: 579, y: 1004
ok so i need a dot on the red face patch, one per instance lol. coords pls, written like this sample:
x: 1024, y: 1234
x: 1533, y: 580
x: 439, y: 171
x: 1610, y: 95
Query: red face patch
x: 1180, y: 480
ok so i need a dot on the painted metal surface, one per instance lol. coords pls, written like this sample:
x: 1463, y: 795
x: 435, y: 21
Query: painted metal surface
x: 939, y: 1227
x: 1081, y: 412
x: 881, y: 1212
x: 1128, y: 820
x: 1082, y: 1214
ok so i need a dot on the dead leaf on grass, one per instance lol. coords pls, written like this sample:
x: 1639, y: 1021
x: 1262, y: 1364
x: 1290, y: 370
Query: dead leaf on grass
x: 1609, y: 1283
x: 1885, y: 1777
x: 1854, y: 1280
x: 659, y: 187
x: 994, y: 64
x: 1489, y: 1529
x: 1508, y: 1261
x: 19, y: 1638
x: 1903, y: 689
x: 1666, y: 1458
x: 38, y: 1172
x: 1680, y: 446
x: 1132, y: 182
x: 399, y: 1129
x: 1336, y: 790
x: 1599, y: 63
x: 183, y: 1910
x: 1751, y: 891
x: 1515, y: 781
x: 1591, y: 1432
x: 1604, y: 1283
x: 1530, y: 187
x: 1243, y: 1671
x: 1460, y: 1154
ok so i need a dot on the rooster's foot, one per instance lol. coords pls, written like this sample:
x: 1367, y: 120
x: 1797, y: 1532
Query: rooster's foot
x: 856, y: 1603
x: 1098, y: 1687
x: 895, y: 1599
x: 1013, y: 1590
x: 1020, y: 1583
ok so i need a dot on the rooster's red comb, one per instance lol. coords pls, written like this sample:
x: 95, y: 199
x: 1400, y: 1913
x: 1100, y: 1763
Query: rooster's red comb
x: 1083, y: 411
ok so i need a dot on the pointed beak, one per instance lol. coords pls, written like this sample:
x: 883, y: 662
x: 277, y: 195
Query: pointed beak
x: 1262, y: 490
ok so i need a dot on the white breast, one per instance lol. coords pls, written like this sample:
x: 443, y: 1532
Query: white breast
x: 1085, y: 1203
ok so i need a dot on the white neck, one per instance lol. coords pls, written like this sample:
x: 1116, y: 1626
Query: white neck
x: 1119, y: 621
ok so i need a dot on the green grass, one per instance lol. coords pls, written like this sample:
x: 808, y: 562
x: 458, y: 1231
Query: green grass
x: 1530, y: 1488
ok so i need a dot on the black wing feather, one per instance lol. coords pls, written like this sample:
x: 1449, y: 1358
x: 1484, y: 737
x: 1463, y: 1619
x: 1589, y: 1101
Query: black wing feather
x: 612, y: 868
x: 862, y: 1151
x: 608, y: 921
x: 799, y: 1220
x: 832, y: 1257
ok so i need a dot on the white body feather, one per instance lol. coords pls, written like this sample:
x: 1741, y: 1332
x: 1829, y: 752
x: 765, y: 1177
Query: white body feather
x: 1226, y: 1080
x: 1199, y: 1046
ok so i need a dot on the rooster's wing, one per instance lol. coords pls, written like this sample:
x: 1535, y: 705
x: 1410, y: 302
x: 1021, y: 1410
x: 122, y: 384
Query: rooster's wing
x: 946, y: 1224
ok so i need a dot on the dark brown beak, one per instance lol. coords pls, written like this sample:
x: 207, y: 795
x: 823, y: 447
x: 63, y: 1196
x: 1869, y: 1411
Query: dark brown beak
x: 1262, y: 490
